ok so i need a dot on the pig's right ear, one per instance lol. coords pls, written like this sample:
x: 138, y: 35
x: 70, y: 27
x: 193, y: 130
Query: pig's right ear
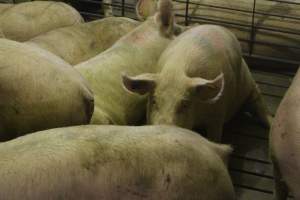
x: 208, y: 91
x: 145, y: 9
x: 140, y: 84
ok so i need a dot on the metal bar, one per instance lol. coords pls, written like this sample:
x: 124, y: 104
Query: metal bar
x: 250, y: 28
x: 187, y: 12
x: 279, y: 16
x: 123, y: 8
x: 91, y: 1
x: 286, y: 2
x: 277, y: 30
x: 250, y: 159
x: 252, y: 188
x: 116, y: 5
x: 277, y: 60
x: 271, y: 44
x: 253, y: 29
x: 231, y: 168
x: 239, y: 10
x: 212, y: 6
x: 241, y: 25
x: 91, y: 14
x: 213, y: 20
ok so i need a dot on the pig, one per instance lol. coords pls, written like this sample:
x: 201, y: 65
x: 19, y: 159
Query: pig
x: 137, y: 52
x: 203, y: 82
x: 86, y: 40
x: 284, y: 143
x: 38, y: 91
x: 24, y: 21
x: 108, y: 162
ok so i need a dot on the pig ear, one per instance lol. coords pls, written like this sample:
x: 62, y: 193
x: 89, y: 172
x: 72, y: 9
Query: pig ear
x: 140, y: 84
x: 165, y: 18
x: 209, y: 91
x: 145, y: 8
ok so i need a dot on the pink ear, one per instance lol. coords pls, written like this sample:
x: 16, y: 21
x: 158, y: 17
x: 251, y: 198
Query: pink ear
x: 209, y: 91
x: 141, y: 84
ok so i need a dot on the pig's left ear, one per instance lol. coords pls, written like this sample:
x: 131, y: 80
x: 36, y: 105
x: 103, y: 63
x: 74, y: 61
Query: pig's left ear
x: 145, y: 9
x: 208, y: 91
x: 165, y: 18
x: 140, y: 84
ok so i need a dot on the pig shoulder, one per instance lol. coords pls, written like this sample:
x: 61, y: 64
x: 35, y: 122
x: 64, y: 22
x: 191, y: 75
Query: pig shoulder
x: 95, y: 159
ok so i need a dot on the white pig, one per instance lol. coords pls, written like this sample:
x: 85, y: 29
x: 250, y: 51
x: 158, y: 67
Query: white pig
x: 204, y: 81
x: 285, y: 143
x: 114, y: 162
x: 23, y: 21
x: 83, y: 41
x: 137, y: 52
x: 38, y: 91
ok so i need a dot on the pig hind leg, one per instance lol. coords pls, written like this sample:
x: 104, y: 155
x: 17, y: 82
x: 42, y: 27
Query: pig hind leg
x: 257, y: 106
x: 281, y: 189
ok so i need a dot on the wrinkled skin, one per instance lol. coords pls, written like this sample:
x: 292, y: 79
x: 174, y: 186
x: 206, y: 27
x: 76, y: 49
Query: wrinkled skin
x: 38, y: 91
x: 114, y: 162
x: 284, y: 143
x: 24, y: 21
x: 84, y: 41
x: 204, y: 81
x: 135, y: 53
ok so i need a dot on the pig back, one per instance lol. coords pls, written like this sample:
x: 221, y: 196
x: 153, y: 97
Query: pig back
x: 86, y: 40
x: 285, y: 136
x: 23, y: 21
x: 113, y: 162
x: 39, y: 91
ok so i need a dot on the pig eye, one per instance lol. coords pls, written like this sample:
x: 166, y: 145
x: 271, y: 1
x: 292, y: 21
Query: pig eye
x: 184, y: 105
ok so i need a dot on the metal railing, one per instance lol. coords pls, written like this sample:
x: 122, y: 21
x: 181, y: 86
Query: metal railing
x: 269, y: 30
